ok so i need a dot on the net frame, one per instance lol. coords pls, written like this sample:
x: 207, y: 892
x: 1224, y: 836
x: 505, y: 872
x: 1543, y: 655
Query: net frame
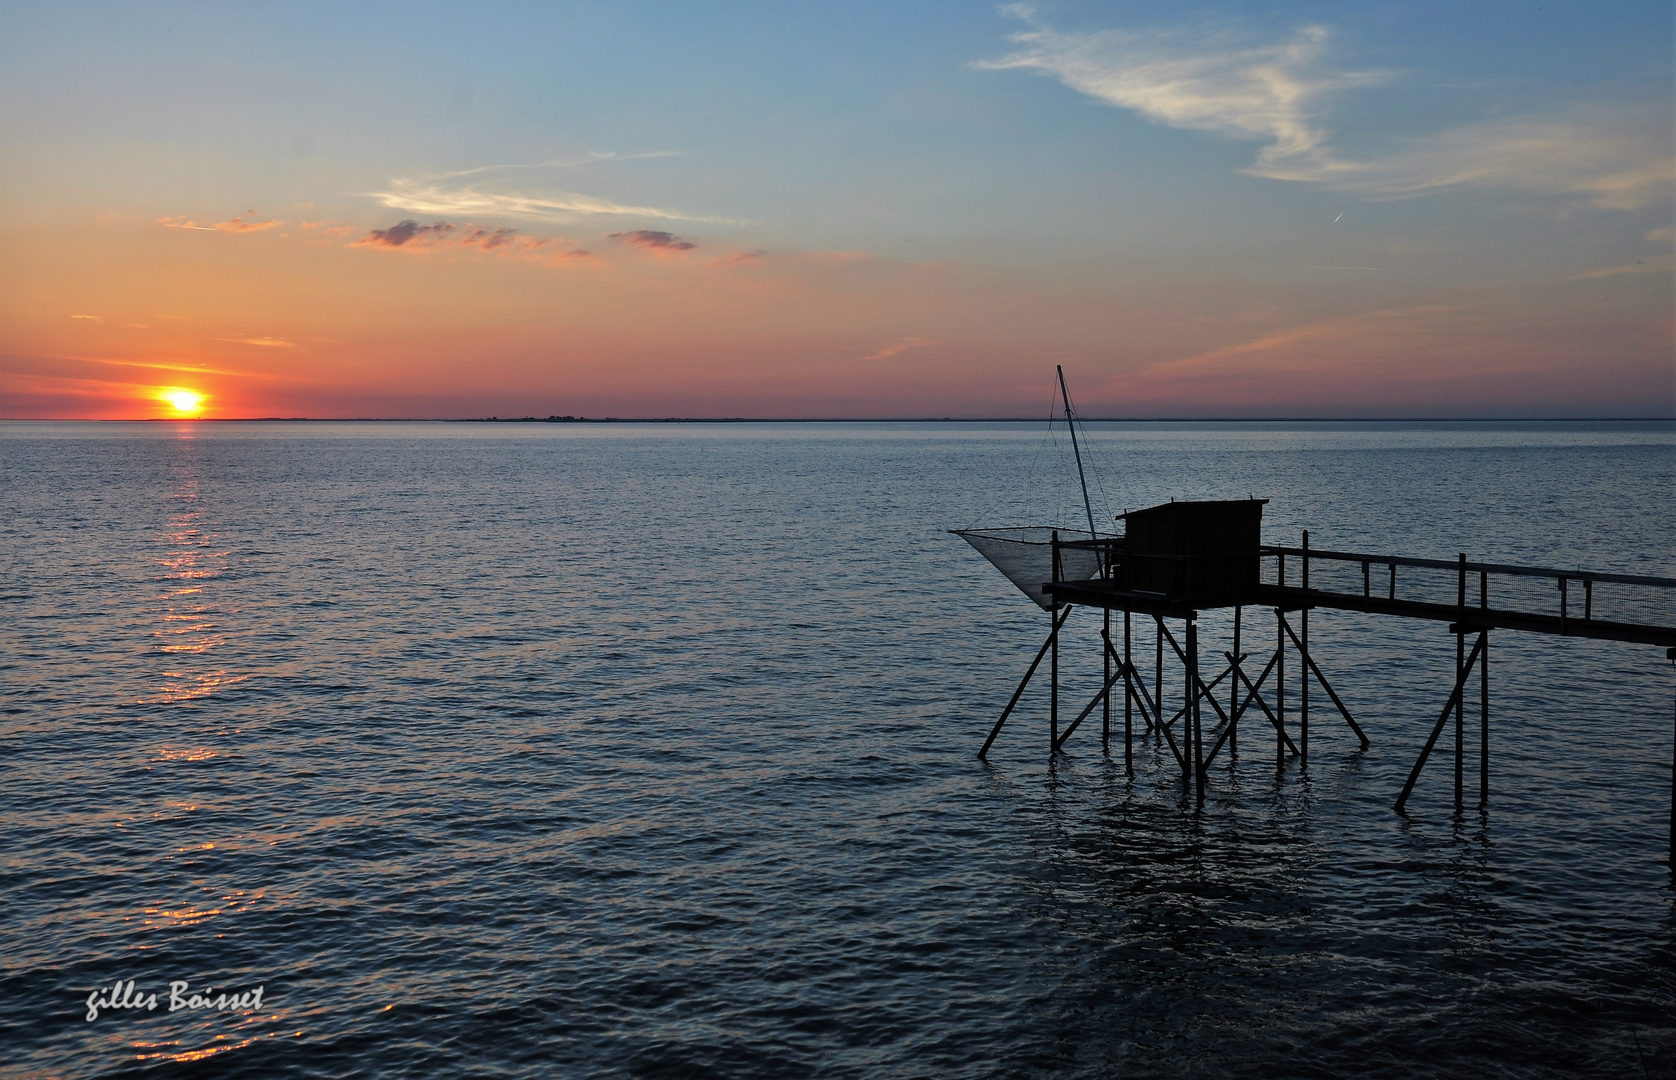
x: 1024, y: 555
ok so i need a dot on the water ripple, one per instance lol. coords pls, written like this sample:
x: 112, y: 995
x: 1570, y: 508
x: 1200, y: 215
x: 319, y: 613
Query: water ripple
x: 500, y: 751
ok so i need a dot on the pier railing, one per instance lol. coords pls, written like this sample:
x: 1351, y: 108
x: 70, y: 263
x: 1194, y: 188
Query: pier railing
x: 1572, y: 603
x: 1634, y: 607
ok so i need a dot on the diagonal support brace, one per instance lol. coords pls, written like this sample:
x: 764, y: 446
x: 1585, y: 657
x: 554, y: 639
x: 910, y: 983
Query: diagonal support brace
x: 1089, y: 708
x: 1137, y: 688
x: 1034, y: 664
x: 1204, y: 689
x: 1442, y: 719
x: 1279, y: 728
x: 1325, y: 685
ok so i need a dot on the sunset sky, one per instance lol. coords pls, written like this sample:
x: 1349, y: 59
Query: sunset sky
x: 848, y: 210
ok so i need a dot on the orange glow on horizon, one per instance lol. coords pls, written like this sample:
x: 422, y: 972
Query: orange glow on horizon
x: 183, y: 401
x: 298, y: 329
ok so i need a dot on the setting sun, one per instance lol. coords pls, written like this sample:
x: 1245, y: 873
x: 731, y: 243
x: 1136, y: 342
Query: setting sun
x: 185, y: 402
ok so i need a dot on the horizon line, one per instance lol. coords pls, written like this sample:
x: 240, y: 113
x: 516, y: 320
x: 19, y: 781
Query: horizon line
x: 555, y: 419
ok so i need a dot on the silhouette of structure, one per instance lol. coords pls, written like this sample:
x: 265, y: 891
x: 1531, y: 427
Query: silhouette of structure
x: 1179, y: 559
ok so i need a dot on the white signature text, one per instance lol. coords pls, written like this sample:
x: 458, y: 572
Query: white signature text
x: 123, y: 995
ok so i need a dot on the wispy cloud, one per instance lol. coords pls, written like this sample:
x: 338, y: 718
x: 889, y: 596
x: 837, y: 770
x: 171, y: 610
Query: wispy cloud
x: 897, y: 347
x: 429, y: 197
x: 148, y: 365
x: 519, y: 191
x: 1300, y: 346
x: 653, y: 239
x: 1616, y: 156
x: 1266, y: 91
x: 265, y: 342
x: 736, y: 257
x: 89, y: 318
x: 239, y: 225
x: 234, y: 225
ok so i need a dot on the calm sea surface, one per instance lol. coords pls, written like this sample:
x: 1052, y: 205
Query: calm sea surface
x: 648, y: 750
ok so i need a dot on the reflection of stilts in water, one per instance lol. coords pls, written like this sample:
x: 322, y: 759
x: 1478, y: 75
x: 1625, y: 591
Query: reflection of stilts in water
x: 192, y: 562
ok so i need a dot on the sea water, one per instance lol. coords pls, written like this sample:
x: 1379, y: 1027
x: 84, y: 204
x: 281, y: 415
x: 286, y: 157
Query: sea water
x: 649, y: 750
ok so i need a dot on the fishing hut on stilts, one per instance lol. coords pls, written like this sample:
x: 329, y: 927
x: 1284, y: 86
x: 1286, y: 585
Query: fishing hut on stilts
x: 1175, y: 561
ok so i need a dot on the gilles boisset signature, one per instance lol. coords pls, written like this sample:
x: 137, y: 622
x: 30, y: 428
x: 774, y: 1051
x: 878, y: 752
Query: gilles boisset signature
x: 122, y: 995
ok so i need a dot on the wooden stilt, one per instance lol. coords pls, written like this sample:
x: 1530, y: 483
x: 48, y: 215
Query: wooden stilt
x: 1128, y: 702
x: 1106, y: 709
x: 1303, y: 669
x: 1234, y: 694
x: 1484, y: 697
x: 1053, y: 694
x: 1279, y: 714
x: 1460, y: 673
x: 1158, y: 674
x: 1189, y: 695
x: 1194, y: 683
x: 1484, y: 719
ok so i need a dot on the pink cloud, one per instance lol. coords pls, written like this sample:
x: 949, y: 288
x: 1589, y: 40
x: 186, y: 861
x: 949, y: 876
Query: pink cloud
x: 654, y: 240
x: 404, y: 232
x: 409, y: 235
x: 740, y: 257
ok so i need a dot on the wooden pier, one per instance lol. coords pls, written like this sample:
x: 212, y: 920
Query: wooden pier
x: 1180, y: 559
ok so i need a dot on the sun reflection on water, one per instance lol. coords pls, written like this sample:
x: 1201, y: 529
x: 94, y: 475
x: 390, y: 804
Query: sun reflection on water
x: 190, y: 623
x: 186, y: 916
x: 181, y: 753
x: 187, y: 686
x: 154, y: 1051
